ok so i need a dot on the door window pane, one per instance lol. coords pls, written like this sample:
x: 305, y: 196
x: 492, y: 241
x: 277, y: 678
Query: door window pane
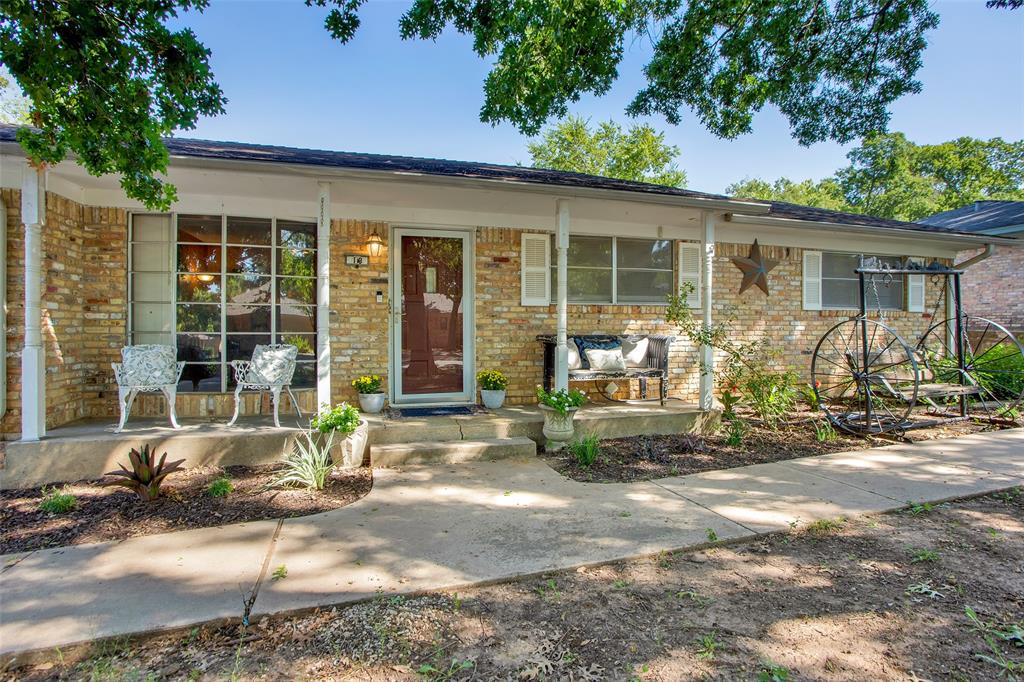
x: 296, y: 262
x: 198, y: 347
x: 305, y: 375
x: 198, y: 317
x: 249, y: 231
x: 249, y: 260
x: 199, y: 288
x: 306, y: 343
x: 297, y: 319
x: 241, y: 346
x: 296, y: 235
x: 195, y: 258
x: 296, y: 290
x: 247, y: 289
x: 248, y: 318
x: 199, y: 228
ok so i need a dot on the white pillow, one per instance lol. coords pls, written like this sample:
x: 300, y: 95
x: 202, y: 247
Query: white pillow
x: 634, y: 352
x: 608, y: 360
x: 575, y: 362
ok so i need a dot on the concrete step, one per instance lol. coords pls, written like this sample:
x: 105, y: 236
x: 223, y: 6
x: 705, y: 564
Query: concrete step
x: 450, y: 451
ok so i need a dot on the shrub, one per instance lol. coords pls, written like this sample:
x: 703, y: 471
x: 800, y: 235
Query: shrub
x: 729, y: 402
x: 145, y: 477
x: 220, y: 487
x: 57, y: 501
x: 309, y: 464
x: 810, y: 396
x: 586, y: 450
x: 343, y: 418
x: 492, y: 380
x: 824, y: 432
x: 772, y: 395
x: 561, y: 401
x: 368, y: 383
x: 736, y: 431
x: 1000, y: 369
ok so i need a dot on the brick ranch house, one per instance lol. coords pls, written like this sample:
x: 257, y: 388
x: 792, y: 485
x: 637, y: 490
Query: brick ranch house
x: 995, y: 291
x: 421, y: 270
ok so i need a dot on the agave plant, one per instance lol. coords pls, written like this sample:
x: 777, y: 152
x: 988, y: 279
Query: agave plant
x: 145, y: 477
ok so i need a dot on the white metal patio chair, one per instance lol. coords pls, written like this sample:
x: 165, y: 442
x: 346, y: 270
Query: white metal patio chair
x: 270, y: 369
x: 147, y: 368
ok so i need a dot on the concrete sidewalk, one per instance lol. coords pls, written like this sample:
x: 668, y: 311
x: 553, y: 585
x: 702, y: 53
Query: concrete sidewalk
x: 451, y: 526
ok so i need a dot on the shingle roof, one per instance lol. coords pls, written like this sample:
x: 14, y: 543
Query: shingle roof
x: 239, y: 151
x: 979, y: 216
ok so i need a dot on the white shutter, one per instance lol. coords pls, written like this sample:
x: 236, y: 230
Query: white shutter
x: 535, y: 270
x: 915, y: 289
x: 812, y: 280
x: 690, y: 267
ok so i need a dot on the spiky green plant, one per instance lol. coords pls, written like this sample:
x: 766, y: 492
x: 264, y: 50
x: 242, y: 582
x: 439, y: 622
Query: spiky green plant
x: 146, y: 475
x: 309, y: 464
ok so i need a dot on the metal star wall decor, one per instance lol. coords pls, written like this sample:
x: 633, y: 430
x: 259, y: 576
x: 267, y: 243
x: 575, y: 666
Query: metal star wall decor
x: 755, y: 269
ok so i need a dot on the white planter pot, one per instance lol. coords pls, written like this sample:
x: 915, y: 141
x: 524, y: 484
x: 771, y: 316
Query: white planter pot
x: 371, y: 403
x: 492, y: 400
x: 558, y: 428
x: 348, y: 452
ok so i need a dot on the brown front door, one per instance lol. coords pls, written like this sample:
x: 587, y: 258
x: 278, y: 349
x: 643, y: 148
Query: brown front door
x: 432, y: 326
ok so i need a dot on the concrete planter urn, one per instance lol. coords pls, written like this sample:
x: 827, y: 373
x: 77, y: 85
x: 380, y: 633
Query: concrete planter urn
x: 347, y: 451
x: 492, y: 400
x: 558, y: 427
x: 371, y: 403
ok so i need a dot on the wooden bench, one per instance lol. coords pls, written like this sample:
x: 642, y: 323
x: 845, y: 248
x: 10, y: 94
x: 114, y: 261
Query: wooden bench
x: 653, y: 366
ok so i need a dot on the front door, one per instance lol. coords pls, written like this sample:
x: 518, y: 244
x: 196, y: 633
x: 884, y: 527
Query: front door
x: 432, y: 313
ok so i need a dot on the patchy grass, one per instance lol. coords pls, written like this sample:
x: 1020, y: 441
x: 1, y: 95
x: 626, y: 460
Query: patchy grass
x: 843, y: 605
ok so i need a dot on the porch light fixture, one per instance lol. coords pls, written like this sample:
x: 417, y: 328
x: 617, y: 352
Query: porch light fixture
x: 374, y: 244
x: 205, y: 279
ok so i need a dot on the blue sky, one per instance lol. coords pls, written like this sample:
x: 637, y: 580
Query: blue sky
x: 289, y: 83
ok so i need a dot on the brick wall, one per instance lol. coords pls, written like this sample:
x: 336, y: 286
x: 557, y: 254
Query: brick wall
x: 994, y: 288
x: 84, y: 309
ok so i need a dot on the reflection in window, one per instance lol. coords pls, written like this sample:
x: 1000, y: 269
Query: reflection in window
x: 616, y: 270
x: 237, y: 282
x: 840, y: 286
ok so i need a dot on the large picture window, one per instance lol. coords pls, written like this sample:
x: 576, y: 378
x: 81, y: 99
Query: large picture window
x: 840, y: 286
x: 616, y: 270
x: 236, y: 282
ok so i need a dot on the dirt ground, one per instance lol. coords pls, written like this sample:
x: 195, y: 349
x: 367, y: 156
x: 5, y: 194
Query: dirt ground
x: 880, y: 597
x: 643, y: 458
x: 114, y: 513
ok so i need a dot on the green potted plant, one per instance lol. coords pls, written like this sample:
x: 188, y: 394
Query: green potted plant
x: 559, y: 408
x: 492, y: 388
x: 343, y: 420
x: 371, y: 397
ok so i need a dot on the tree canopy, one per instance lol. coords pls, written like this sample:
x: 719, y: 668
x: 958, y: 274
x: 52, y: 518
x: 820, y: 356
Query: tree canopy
x: 891, y: 177
x: 639, y: 153
x: 106, y: 81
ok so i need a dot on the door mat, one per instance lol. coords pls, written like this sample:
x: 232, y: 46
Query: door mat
x: 447, y: 411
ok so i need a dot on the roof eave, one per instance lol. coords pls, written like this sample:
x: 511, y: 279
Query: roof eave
x: 872, y: 229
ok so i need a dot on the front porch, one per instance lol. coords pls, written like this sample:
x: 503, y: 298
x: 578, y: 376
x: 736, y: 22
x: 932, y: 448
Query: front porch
x: 86, y: 449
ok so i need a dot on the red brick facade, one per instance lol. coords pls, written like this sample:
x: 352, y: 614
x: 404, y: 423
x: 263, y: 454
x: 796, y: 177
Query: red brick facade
x: 994, y: 288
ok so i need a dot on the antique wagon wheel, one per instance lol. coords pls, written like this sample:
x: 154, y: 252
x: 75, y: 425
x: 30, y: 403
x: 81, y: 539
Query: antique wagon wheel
x: 993, y: 376
x: 863, y: 398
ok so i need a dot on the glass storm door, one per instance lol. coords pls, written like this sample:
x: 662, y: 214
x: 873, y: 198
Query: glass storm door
x: 432, y: 330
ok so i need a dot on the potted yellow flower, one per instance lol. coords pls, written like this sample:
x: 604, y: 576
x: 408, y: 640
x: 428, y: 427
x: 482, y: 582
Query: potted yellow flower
x: 371, y: 395
x: 492, y: 388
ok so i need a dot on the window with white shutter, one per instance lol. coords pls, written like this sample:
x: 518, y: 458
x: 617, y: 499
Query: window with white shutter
x: 690, y: 267
x: 915, y: 289
x: 534, y: 279
x: 812, y: 280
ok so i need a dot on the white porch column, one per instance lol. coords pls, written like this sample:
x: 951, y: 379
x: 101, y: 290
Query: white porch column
x: 562, y: 296
x: 707, y: 354
x: 33, y: 361
x: 323, y: 295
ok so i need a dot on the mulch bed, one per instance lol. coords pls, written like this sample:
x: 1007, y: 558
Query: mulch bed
x: 856, y: 600
x: 643, y: 458
x: 112, y: 513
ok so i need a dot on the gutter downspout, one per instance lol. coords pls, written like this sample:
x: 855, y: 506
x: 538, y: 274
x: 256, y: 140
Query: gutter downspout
x: 950, y: 303
x: 989, y: 250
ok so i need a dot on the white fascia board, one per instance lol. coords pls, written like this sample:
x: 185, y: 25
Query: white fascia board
x: 963, y: 240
